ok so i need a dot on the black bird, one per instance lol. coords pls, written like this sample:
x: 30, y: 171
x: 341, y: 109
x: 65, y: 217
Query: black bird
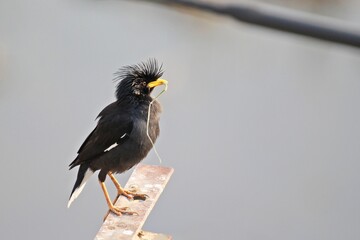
x: 120, y: 140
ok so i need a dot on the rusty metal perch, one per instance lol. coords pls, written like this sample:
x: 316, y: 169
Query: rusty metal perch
x: 147, y: 179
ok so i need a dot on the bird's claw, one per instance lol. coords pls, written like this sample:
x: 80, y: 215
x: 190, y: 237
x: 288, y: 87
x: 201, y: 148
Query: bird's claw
x: 132, y: 193
x: 126, y: 194
x: 136, y: 196
x: 122, y: 210
x: 119, y: 211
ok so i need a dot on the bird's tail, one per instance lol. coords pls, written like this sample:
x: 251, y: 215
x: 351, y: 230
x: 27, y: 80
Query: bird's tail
x: 83, y: 175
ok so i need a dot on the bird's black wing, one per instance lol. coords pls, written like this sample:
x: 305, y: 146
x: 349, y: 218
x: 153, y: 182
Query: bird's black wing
x: 112, y: 130
x: 86, y: 141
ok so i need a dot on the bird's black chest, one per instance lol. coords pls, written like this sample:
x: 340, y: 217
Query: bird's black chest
x: 137, y: 145
x: 146, y: 125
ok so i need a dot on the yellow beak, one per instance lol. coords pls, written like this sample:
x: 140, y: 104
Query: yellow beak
x: 158, y: 82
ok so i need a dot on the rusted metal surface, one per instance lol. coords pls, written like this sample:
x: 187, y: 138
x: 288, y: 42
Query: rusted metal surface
x: 147, y: 179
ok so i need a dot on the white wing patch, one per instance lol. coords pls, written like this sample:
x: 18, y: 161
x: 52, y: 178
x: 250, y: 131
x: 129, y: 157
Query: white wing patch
x: 111, y: 147
x: 114, y: 145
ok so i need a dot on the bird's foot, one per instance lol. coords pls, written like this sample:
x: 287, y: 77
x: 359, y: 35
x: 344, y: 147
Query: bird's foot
x: 121, y: 210
x: 132, y: 193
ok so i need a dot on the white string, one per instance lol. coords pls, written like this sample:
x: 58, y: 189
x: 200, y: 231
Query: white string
x: 148, y: 122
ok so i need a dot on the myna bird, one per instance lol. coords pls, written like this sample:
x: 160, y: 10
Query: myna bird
x: 120, y: 140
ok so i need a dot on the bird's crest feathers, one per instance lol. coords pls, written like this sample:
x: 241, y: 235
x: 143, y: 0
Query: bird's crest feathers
x: 149, y: 70
x: 136, y: 77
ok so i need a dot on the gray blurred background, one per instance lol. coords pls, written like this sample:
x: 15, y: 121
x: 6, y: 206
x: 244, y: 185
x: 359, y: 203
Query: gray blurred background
x: 262, y: 127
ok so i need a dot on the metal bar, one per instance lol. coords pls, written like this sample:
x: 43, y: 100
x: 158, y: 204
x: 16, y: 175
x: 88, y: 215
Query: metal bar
x: 258, y: 15
x: 147, y: 179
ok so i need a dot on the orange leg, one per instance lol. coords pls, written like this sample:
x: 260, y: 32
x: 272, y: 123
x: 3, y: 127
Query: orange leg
x: 117, y: 210
x: 127, y: 193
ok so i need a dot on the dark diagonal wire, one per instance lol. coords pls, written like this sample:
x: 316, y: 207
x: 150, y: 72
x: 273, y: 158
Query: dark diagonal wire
x: 258, y: 15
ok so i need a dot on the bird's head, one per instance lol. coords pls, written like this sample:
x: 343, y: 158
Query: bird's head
x: 137, y: 81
